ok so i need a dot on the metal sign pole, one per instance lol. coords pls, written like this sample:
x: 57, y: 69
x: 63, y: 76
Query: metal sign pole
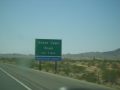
x: 55, y: 67
x: 40, y: 65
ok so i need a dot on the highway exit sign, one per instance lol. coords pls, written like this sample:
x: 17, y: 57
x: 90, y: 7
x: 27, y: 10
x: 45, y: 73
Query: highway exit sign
x: 48, y: 49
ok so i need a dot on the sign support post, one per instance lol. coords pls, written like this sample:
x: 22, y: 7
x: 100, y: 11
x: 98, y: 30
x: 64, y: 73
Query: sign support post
x: 56, y: 67
x: 40, y: 65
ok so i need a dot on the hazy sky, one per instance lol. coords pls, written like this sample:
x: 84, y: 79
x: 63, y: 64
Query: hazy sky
x: 83, y: 25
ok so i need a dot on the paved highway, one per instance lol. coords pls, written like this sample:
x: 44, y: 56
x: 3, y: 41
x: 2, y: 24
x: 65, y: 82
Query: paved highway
x: 14, y: 77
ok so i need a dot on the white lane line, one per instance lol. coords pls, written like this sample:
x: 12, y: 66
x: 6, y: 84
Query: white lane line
x: 16, y: 79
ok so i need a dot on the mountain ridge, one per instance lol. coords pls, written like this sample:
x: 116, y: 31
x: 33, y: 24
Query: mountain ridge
x: 109, y: 55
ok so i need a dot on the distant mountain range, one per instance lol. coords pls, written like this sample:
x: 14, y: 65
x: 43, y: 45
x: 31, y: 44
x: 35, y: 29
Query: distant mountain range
x: 109, y: 55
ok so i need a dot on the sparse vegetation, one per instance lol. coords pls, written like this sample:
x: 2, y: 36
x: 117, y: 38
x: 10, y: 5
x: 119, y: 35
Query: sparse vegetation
x: 105, y: 72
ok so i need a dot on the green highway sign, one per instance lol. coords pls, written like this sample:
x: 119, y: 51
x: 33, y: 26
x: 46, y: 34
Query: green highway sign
x: 48, y: 49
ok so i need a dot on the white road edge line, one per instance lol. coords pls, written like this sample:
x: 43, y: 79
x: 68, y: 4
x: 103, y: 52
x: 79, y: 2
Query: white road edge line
x: 16, y: 79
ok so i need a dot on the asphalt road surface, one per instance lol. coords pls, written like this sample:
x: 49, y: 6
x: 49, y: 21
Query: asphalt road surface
x: 14, y: 77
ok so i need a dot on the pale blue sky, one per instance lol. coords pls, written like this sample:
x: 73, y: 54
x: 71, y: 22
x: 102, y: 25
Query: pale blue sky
x: 83, y: 25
